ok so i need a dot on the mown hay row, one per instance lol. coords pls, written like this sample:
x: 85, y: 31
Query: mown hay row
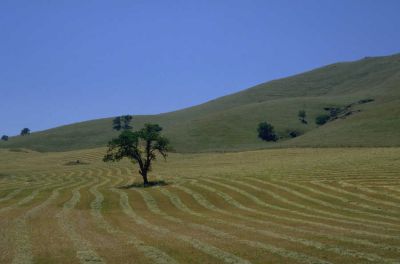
x: 155, y: 254
x: 204, y: 247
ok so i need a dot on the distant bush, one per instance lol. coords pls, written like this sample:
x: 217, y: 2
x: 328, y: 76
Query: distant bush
x: 25, y: 131
x: 4, y: 138
x: 122, y: 122
x: 364, y: 101
x: 334, y: 112
x: 294, y: 133
x: 302, y: 116
x: 266, y: 132
x: 322, y: 119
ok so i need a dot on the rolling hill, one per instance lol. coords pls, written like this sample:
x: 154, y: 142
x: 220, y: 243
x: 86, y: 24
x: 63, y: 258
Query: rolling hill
x: 229, y: 123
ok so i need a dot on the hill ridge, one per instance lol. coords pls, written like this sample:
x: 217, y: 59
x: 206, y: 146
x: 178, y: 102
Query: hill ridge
x: 228, y: 122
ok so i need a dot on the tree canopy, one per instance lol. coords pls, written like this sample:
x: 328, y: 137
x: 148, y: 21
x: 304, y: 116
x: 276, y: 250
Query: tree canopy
x: 302, y: 116
x: 266, y: 132
x: 117, y: 123
x: 4, y: 138
x: 126, y: 120
x: 25, y: 131
x: 122, y: 122
x: 322, y: 119
x: 140, y: 147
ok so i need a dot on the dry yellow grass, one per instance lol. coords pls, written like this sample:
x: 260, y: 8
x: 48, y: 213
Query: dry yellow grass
x: 272, y: 206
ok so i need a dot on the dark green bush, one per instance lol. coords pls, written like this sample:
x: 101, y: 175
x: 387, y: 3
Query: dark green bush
x: 322, y: 119
x: 294, y: 133
x: 266, y: 132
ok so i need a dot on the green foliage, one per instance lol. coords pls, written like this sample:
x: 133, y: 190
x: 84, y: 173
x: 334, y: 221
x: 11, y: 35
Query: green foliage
x: 122, y: 122
x: 364, y: 101
x: 4, y: 138
x: 322, y: 119
x: 294, y: 133
x: 126, y: 120
x: 117, y: 123
x: 140, y: 147
x: 302, y: 116
x: 266, y: 132
x: 25, y: 131
x: 333, y: 111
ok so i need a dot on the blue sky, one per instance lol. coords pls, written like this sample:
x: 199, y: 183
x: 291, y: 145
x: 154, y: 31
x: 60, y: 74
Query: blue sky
x: 68, y: 61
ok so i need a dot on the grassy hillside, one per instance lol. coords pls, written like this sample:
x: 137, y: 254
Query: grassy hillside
x: 229, y: 123
x: 297, y: 206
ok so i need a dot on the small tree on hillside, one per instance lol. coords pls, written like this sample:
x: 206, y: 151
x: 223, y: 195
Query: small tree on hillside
x: 140, y: 147
x: 25, y: 131
x: 117, y: 123
x: 266, y: 132
x: 302, y: 116
x: 122, y: 122
x: 4, y: 138
x: 126, y: 120
x: 322, y: 119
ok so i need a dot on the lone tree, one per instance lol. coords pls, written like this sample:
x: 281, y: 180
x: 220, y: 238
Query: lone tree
x: 117, y: 123
x: 266, y: 132
x: 302, y: 116
x: 25, y: 131
x: 140, y: 147
x: 4, y: 138
x: 122, y: 122
x: 126, y: 120
x: 322, y: 119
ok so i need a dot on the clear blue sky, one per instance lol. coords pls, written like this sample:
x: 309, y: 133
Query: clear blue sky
x: 68, y: 61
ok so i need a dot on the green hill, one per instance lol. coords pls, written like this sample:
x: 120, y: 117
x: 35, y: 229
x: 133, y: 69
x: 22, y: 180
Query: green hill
x: 229, y: 123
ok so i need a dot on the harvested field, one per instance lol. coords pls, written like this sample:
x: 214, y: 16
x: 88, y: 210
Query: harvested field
x: 337, y: 205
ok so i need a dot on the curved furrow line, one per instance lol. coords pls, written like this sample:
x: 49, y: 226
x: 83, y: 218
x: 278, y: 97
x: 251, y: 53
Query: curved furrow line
x: 127, y: 175
x: 234, y: 203
x: 152, y: 204
x: 368, y: 190
x: 204, y: 247
x: 337, y: 191
x: 10, y: 195
x: 306, y: 242
x: 200, y: 199
x: 155, y: 254
x: 342, y: 199
x: 397, y: 190
x: 352, y: 194
x: 337, y: 217
x: 393, y: 191
x: 84, y: 251
x: 30, y: 197
x: 376, y: 183
x: 259, y: 202
x: 22, y: 180
x: 372, y: 181
x: 115, y: 173
x: 19, y: 185
x: 333, y: 177
x: 11, y: 184
x: 22, y: 241
x: 321, y: 202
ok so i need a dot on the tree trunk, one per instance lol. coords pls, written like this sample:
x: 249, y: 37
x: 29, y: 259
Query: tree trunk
x: 145, y: 181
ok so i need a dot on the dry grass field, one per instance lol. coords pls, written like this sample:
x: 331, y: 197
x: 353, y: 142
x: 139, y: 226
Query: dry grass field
x: 269, y: 206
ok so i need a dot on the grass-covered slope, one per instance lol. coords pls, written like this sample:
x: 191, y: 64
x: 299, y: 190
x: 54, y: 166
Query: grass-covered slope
x: 229, y: 122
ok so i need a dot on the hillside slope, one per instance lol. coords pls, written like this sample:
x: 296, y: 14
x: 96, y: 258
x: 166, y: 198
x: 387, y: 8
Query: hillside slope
x: 229, y: 123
